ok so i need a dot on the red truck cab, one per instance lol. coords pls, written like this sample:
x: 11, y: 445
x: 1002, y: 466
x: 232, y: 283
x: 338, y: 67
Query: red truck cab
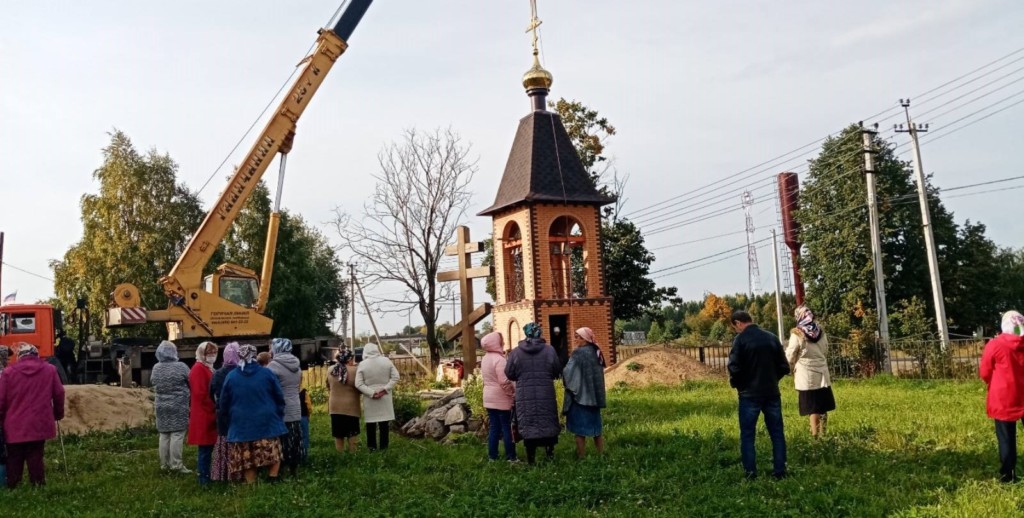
x: 36, y: 324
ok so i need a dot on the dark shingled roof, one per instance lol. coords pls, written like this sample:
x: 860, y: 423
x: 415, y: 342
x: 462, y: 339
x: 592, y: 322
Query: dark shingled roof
x: 532, y: 171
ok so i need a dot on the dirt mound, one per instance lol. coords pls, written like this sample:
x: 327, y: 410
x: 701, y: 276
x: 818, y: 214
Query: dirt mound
x: 90, y: 408
x: 658, y: 366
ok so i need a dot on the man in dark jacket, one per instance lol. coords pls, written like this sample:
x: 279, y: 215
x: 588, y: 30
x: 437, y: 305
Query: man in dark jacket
x: 756, y: 364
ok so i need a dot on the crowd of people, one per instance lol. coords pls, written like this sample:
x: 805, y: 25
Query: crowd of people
x: 519, y: 393
x: 252, y: 413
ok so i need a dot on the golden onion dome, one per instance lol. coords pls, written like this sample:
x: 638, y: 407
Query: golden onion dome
x: 537, y: 77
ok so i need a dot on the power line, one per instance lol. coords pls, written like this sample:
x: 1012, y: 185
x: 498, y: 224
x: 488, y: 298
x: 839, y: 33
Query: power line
x: 709, y: 238
x: 722, y: 259
x: 968, y: 186
x: 645, y: 211
x: 744, y: 247
x: 22, y: 270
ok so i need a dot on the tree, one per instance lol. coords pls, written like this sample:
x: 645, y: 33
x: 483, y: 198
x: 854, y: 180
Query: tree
x: 626, y: 265
x: 134, y: 229
x: 655, y: 334
x: 837, y: 264
x: 588, y: 132
x: 421, y: 196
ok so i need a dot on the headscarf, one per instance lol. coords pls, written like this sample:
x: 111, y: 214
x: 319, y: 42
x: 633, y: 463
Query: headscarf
x: 5, y: 352
x: 280, y: 346
x: 166, y: 352
x: 587, y: 334
x: 340, y: 368
x: 203, y: 354
x: 27, y: 349
x: 806, y: 324
x: 532, y: 330
x: 231, y: 355
x: 246, y: 355
x: 1013, y: 323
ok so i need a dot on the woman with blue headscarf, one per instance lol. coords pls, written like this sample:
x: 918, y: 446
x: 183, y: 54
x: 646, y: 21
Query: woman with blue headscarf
x: 534, y: 366
x: 170, y: 382
x: 253, y: 405
x: 286, y: 367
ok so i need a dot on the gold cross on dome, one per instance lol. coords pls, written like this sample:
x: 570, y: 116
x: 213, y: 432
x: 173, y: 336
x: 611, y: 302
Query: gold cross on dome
x: 534, y: 23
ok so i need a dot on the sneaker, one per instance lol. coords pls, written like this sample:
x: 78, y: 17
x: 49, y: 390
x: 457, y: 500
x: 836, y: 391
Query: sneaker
x: 182, y: 469
x: 750, y: 475
x: 780, y: 476
x: 1008, y: 478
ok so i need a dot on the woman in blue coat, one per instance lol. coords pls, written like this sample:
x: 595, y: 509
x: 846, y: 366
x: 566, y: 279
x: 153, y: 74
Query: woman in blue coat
x: 253, y: 404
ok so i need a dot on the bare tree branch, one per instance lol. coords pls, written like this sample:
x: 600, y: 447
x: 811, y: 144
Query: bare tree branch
x: 421, y: 196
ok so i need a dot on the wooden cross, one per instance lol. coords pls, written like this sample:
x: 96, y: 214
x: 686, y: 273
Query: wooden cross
x: 465, y: 329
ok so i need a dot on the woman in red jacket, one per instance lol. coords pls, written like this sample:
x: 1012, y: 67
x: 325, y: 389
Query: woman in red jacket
x: 202, y: 415
x: 1002, y: 368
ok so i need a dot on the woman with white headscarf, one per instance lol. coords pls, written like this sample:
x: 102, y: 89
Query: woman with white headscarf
x: 202, y: 417
x: 253, y: 406
x: 287, y: 368
x: 170, y: 382
x: 807, y: 354
x: 1002, y: 369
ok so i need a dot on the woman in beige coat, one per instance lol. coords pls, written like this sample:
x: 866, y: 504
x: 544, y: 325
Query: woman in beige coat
x: 344, y: 401
x: 807, y: 354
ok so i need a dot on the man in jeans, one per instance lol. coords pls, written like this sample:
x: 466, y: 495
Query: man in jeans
x: 756, y: 364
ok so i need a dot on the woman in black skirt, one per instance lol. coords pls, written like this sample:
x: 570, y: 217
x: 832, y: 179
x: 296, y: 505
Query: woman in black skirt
x: 807, y: 354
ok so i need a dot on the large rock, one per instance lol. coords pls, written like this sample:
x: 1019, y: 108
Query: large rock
x: 414, y: 428
x: 455, y: 415
x: 457, y: 429
x: 457, y: 393
x: 475, y: 424
x: 435, y: 429
x: 437, y: 414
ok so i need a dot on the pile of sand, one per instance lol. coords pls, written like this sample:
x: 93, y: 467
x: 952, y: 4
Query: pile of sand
x: 659, y: 366
x: 90, y: 408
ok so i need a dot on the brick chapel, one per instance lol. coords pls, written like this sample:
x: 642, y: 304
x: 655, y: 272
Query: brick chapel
x: 546, y: 222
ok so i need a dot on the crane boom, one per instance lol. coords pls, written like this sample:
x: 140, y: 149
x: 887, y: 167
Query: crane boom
x: 229, y: 302
x: 188, y: 270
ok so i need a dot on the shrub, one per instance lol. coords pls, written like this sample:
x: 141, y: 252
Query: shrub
x: 318, y: 395
x: 407, y: 407
x: 633, y: 366
x: 473, y: 388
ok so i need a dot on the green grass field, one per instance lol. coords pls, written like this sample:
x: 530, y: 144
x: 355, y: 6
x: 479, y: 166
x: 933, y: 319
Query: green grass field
x: 895, y: 448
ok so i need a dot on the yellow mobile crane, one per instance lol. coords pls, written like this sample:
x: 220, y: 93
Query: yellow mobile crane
x: 230, y: 303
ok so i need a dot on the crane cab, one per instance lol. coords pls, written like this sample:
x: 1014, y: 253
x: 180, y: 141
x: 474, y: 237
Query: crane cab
x: 234, y: 283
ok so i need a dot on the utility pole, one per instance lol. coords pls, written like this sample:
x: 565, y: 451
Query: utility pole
x: 753, y: 272
x: 876, y: 244
x: 352, y: 300
x: 778, y: 283
x: 926, y: 223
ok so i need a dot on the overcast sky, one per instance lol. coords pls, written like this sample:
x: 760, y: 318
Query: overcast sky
x: 698, y: 91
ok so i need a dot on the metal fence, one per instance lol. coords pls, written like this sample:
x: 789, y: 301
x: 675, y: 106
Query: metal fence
x: 909, y: 359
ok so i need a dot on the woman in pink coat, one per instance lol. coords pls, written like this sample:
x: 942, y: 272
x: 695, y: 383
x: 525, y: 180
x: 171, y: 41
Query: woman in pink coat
x: 498, y: 395
x: 31, y: 403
